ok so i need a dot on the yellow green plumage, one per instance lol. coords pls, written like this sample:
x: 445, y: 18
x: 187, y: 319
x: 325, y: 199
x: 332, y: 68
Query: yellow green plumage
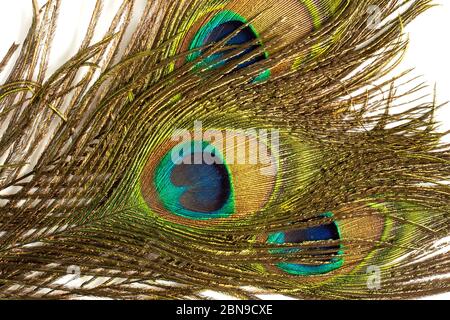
x: 317, y: 180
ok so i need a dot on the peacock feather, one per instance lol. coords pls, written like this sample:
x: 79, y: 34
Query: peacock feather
x: 240, y: 146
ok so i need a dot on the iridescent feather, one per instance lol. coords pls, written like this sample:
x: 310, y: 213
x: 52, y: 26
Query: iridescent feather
x: 91, y: 176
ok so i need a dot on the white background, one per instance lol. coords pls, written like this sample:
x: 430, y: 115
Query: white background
x: 429, y: 51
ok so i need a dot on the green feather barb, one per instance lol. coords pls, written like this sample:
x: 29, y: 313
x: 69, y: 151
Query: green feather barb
x: 341, y: 176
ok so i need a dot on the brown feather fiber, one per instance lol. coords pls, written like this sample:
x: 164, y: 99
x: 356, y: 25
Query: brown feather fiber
x: 75, y: 144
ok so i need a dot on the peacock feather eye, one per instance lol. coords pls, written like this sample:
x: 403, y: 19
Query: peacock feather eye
x: 257, y: 25
x: 228, y: 24
x: 222, y: 25
x: 193, y: 182
x: 324, y: 232
x: 298, y: 185
x: 203, y: 182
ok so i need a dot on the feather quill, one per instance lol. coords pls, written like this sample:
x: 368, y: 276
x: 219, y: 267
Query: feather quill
x: 80, y: 150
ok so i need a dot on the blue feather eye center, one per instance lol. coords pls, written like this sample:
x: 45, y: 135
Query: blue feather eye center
x: 324, y: 232
x: 193, y: 182
x: 221, y: 26
x: 245, y: 35
x: 207, y: 186
x: 317, y: 233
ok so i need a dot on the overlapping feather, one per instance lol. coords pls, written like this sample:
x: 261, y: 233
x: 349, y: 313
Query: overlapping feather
x: 75, y: 145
